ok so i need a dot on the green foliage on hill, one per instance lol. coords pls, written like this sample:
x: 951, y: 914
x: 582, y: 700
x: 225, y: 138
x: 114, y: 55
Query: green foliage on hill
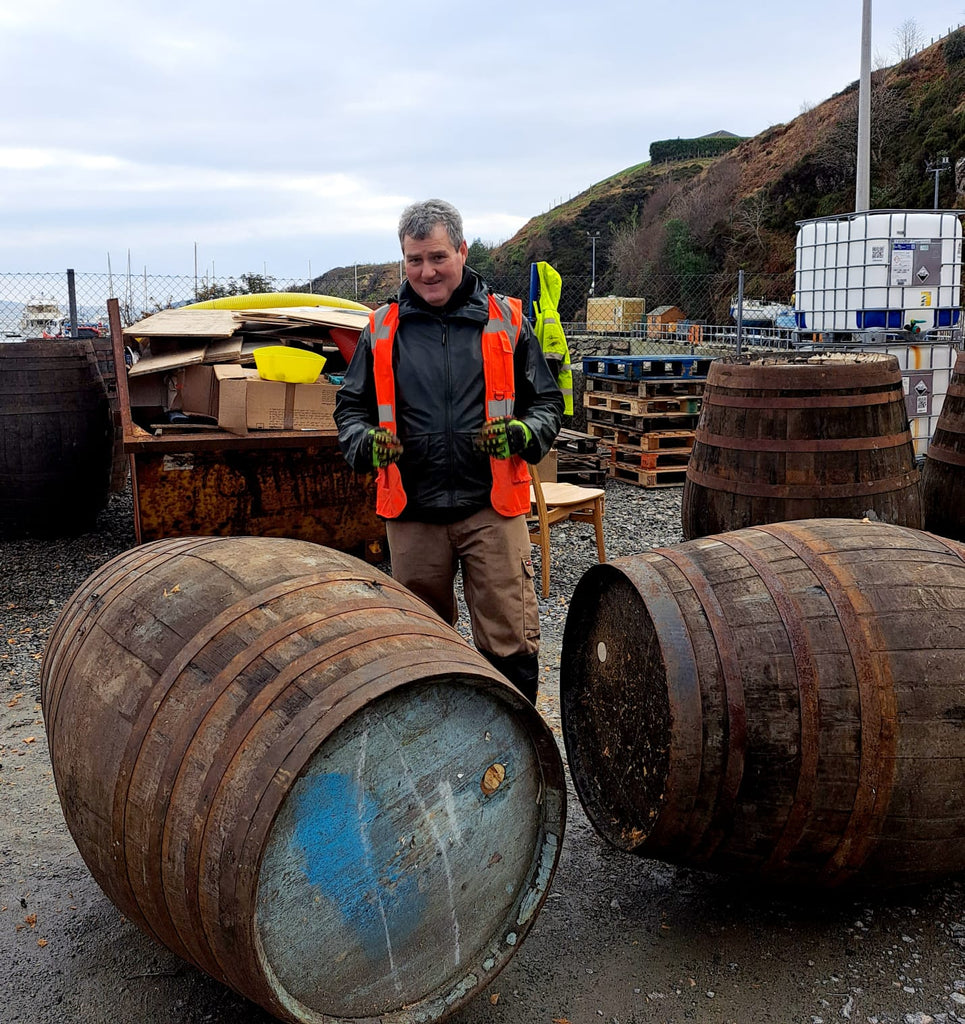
x: 668, y: 150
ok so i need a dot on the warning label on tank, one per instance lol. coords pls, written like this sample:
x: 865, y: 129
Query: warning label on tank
x: 915, y: 261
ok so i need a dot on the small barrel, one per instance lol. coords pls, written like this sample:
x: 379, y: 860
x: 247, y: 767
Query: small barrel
x: 943, y: 475
x: 801, y: 436
x: 57, y: 438
x: 284, y: 767
x: 782, y: 702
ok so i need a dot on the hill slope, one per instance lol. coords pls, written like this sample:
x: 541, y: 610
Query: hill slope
x: 707, y: 218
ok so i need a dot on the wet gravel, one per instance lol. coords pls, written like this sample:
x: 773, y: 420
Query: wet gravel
x: 620, y: 939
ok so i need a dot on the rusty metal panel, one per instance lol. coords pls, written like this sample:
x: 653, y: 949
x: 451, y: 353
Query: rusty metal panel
x: 308, y: 493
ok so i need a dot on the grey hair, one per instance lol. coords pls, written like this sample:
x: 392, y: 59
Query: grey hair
x: 419, y: 220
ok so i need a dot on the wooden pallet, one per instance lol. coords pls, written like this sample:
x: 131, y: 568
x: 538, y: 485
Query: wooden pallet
x: 588, y: 472
x: 614, y: 426
x: 650, y: 438
x: 574, y: 441
x: 649, y: 477
x: 635, y: 458
x: 637, y: 367
x: 658, y: 440
x: 647, y: 388
x: 631, y: 405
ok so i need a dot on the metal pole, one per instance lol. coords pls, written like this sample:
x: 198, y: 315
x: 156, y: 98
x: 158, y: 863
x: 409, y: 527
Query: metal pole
x: 593, y: 236
x: 740, y: 311
x: 862, y: 184
x: 72, y: 301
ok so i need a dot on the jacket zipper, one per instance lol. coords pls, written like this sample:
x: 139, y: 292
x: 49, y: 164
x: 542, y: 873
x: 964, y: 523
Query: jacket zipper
x: 452, y: 467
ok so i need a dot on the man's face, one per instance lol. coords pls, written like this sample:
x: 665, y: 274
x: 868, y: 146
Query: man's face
x: 432, y: 266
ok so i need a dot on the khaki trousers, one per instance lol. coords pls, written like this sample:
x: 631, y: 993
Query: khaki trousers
x: 497, y: 571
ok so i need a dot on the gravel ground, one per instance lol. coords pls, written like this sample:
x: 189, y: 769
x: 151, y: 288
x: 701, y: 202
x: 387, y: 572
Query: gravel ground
x: 621, y: 939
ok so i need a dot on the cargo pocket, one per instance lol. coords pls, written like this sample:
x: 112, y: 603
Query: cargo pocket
x: 530, y: 604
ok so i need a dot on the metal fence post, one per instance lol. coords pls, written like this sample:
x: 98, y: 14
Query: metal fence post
x: 740, y: 311
x: 72, y: 301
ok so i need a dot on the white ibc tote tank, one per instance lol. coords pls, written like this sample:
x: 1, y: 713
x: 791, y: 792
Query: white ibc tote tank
x: 879, y: 270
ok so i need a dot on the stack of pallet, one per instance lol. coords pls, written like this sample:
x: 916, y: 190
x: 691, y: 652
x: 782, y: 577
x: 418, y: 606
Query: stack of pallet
x: 646, y: 408
x: 581, y: 459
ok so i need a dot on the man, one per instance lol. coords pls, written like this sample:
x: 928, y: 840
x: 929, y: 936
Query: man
x: 448, y: 396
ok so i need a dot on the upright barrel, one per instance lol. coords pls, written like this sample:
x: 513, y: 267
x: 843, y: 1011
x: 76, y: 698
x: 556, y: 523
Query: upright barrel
x: 801, y: 436
x: 56, y: 438
x: 943, y: 475
x: 284, y: 767
x: 783, y: 702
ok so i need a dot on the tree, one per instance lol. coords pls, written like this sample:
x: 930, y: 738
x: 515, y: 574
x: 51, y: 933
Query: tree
x: 255, y: 284
x: 908, y: 39
x: 480, y: 258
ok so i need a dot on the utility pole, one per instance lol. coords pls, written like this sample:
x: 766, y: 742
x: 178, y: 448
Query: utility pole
x: 936, y: 169
x: 862, y: 183
x: 593, y: 236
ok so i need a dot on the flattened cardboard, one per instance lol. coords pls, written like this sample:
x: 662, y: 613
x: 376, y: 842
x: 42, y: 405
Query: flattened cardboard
x: 185, y: 323
x: 188, y: 356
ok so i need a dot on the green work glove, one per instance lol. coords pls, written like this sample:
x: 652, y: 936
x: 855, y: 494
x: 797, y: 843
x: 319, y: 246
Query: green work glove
x: 383, y: 447
x: 504, y: 437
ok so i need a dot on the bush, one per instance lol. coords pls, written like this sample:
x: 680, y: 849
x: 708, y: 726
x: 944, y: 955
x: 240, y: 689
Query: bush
x: 954, y: 47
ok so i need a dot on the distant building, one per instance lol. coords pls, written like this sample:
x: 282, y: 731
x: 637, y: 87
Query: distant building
x: 662, y: 321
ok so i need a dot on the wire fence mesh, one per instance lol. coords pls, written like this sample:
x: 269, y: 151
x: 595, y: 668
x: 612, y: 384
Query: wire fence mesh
x: 697, y: 311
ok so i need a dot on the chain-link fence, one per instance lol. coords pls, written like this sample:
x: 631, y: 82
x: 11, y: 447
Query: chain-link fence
x: 697, y: 311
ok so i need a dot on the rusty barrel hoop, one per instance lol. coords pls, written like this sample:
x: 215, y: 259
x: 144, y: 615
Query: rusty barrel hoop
x: 943, y: 474
x: 782, y: 701
x: 57, y: 432
x: 801, y: 436
x: 282, y: 766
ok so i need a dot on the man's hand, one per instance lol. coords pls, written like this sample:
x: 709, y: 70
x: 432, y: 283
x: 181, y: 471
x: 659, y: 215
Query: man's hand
x: 504, y: 437
x: 383, y: 447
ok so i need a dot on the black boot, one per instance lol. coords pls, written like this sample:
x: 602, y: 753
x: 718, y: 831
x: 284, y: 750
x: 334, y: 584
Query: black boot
x: 522, y: 670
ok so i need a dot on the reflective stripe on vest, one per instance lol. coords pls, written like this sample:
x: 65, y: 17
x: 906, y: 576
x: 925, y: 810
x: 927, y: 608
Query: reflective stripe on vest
x: 383, y: 323
x: 510, y: 490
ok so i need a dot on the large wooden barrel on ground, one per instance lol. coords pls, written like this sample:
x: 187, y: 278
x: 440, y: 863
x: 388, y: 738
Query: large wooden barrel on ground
x: 785, y: 702
x: 943, y: 475
x: 56, y: 438
x: 801, y: 436
x: 279, y: 763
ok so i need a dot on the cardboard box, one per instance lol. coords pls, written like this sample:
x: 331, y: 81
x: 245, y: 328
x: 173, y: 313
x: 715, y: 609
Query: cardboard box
x: 246, y: 402
x: 546, y: 467
x: 199, y: 391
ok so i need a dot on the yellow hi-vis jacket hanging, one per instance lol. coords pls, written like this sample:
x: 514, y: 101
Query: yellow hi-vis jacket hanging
x: 550, y: 332
x: 511, y: 482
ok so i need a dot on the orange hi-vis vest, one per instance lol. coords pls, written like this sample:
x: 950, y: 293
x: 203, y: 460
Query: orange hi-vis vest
x: 510, y: 490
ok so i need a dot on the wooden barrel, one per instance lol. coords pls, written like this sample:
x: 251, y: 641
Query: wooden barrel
x: 284, y: 767
x: 801, y: 436
x: 57, y: 437
x: 943, y: 475
x: 783, y: 701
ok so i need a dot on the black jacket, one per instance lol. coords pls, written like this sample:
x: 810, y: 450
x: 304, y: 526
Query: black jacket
x: 440, y: 401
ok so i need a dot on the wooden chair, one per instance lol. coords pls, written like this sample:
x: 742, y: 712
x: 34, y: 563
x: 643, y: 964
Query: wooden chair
x: 556, y: 502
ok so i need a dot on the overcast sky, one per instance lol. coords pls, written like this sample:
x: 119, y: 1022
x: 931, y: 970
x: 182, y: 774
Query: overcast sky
x: 278, y: 136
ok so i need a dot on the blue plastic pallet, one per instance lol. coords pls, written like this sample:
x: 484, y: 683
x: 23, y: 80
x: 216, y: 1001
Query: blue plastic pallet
x: 640, y: 367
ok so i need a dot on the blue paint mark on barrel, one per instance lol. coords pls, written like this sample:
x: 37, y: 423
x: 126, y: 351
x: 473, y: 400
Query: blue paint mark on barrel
x: 342, y: 835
